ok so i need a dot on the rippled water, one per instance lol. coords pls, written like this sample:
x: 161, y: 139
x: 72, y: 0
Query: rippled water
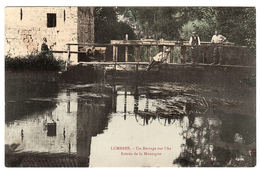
x: 128, y: 124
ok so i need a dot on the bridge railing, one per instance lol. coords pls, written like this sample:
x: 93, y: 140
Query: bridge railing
x: 162, y: 45
x: 205, y: 50
x: 231, y: 54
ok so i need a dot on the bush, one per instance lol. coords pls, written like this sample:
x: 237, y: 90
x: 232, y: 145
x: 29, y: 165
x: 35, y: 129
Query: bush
x: 42, y: 61
x: 204, y: 30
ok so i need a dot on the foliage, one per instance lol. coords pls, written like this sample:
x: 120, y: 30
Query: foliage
x: 238, y: 24
x: 41, y: 61
x: 107, y: 26
x: 163, y: 22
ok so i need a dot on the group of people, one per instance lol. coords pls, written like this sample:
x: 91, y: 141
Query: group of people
x: 194, y: 42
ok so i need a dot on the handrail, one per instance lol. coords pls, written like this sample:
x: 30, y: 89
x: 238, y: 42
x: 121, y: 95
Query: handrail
x: 90, y: 44
x: 147, y: 43
x: 150, y: 42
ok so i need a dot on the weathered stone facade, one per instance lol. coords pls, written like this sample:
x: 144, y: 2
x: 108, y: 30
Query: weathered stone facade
x: 25, y: 28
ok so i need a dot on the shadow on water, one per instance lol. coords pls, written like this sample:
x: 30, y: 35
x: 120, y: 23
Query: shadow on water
x: 53, y: 122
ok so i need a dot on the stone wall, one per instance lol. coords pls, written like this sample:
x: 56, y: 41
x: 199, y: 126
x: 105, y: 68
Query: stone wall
x: 25, y: 28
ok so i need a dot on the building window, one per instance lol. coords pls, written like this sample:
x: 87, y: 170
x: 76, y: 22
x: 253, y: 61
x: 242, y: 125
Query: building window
x: 51, y: 20
x: 21, y: 14
x: 64, y: 15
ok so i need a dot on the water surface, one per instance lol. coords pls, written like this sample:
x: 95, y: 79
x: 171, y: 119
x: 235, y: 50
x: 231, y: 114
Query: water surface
x: 126, y: 123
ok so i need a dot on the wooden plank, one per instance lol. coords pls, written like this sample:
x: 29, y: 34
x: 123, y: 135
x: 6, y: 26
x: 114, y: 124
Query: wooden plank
x: 89, y: 44
x: 112, y: 63
x: 153, y: 42
x: 172, y: 64
x: 71, y: 52
x: 165, y: 43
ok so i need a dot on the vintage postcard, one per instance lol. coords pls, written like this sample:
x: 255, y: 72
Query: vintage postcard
x: 140, y: 86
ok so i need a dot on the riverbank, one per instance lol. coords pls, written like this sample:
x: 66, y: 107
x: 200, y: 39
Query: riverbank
x: 39, y: 62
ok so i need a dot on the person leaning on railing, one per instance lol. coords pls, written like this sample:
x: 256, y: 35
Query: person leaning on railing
x: 159, y: 58
x: 217, y: 40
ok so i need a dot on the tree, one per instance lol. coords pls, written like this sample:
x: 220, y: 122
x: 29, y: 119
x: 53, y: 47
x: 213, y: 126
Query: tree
x: 238, y: 24
x: 107, y: 26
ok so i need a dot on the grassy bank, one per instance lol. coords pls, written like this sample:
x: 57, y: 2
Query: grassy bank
x: 42, y: 61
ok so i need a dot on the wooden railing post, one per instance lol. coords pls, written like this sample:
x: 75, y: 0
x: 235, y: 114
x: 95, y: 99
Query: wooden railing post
x: 114, y: 56
x: 183, y: 54
x: 116, y: 53
x: 148, y: 50
x: 160, y: 49
x: 114, y: 97
x: 170, y: 55
x: 68, y: 57
x: 137, y: 55
x: 126, y: 49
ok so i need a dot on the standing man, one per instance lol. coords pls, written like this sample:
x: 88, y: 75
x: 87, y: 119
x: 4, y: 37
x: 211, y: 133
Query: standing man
x: 194, y: 43
x: 216, y: 40
x: 45, y: 50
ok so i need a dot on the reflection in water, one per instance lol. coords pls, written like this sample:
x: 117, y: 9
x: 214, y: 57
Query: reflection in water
x: 88, y: 120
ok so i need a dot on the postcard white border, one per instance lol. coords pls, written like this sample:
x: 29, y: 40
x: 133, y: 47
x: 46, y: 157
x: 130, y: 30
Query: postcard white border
x: 4, y: 3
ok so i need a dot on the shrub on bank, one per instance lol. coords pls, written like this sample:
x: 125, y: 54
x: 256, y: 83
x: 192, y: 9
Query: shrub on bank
x: 41, y: 61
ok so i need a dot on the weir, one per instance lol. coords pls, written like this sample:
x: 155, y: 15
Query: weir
x: 135, y: 55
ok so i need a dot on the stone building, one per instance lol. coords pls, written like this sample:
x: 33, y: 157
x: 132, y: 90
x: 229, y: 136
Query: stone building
x: 25, y: 28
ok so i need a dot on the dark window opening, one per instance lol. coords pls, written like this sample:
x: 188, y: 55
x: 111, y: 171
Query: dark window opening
x: 21, y: 14
x: 64, y: 15
x: 51, y: 20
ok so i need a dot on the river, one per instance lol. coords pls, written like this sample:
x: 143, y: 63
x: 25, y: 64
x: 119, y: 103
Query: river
x: 127, y: 123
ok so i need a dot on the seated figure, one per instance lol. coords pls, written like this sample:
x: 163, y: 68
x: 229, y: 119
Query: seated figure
x: 159, y: 58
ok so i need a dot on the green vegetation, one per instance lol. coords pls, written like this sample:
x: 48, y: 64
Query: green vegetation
x: 41, y: 61
x: 238, y: 24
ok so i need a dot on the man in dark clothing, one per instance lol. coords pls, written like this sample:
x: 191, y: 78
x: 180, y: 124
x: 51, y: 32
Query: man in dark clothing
x: 44, y: 47
x: 194, y: 43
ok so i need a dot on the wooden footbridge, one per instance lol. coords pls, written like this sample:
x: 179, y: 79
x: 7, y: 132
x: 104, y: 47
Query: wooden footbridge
x: 128, y: 54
